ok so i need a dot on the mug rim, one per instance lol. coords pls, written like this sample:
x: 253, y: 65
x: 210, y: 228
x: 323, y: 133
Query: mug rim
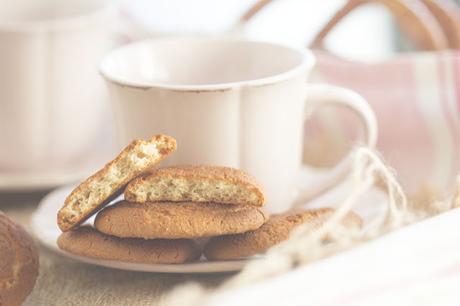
x: 307, y: 62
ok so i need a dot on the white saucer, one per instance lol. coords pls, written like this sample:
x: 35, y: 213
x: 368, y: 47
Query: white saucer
x: 48, y: 178
x: 43, y: 179
x: 46, y: 230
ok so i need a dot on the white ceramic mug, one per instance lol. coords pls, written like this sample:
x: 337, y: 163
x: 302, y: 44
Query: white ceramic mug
x: 51, y: 95
x: 229, y: 102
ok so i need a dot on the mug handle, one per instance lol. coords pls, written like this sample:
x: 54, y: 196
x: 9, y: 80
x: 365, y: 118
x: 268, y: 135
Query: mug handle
x: 328, y: 95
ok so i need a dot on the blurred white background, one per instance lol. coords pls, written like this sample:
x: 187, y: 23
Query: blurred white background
x: 366, y: 34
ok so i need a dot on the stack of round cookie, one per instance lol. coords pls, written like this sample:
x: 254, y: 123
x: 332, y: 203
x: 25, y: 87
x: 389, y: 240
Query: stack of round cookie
x: 99, y: 190
x: 186, y: 202
x: 183, y: 204
x: 165, y: 210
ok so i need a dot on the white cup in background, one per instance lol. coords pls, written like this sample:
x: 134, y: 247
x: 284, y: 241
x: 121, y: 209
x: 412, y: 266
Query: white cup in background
x: 228, y: 102
x: 51, y: 95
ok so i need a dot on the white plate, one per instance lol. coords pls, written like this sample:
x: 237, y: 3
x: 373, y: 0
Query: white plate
x: 46, y: 230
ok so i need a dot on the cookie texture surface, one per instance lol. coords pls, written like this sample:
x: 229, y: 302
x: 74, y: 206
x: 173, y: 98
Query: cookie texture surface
x: 170, y: 220
x: 274, y: 231
x: 18, y: 263
x: 197, y: 184
x: 87, y: 241
x: 106, y: 184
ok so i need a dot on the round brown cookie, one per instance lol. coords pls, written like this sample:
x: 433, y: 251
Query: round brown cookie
x: 177, y: 220
x: 18, y: 263
x: 203, y: 183
x: 102, y: 187
x: 87, y: 241
x: 275, y: 230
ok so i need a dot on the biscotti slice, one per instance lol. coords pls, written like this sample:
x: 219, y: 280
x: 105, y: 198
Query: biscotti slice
x: 87, y: 241
x: 196, y: 184
x: 274, y: 231
x: 169, y: 220
x: 106, y: 184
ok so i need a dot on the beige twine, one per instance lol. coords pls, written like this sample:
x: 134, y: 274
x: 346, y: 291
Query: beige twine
x: 307, y: 244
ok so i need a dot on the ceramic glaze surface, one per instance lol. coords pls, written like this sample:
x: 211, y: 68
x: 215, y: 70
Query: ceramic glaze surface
x: 227, y: 102
x: 51, y: 96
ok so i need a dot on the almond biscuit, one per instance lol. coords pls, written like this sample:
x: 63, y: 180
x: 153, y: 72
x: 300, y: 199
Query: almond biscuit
x: 106, y: 184
x: 196, y: 184
x: 168, y: 220
x: 18, y: 263
x: 274, y: 231
x: 87, y: 241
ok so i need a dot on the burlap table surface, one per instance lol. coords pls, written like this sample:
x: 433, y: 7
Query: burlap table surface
x: 64, y: 282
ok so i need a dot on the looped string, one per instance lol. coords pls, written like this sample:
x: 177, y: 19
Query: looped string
x: 307, y: 243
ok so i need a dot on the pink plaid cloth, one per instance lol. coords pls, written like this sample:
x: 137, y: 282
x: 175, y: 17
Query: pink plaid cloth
x: 416, y: 98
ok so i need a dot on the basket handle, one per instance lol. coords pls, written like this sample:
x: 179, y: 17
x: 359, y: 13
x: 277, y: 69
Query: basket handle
x: 447, y: 14
x: 412, y: 16
x: 254, y: 10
